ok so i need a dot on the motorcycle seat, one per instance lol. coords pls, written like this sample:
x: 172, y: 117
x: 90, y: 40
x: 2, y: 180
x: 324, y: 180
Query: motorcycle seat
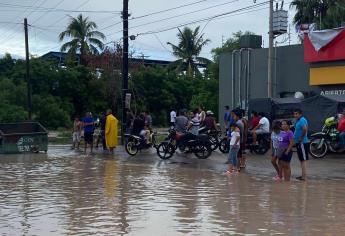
x: 136, y: 136
x: 179, y: 136
x: 202, y: 137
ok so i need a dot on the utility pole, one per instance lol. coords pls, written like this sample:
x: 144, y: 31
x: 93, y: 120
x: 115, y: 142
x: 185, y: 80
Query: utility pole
x: 124, y: 67
x: 28, y: 80
x: 270, y: 53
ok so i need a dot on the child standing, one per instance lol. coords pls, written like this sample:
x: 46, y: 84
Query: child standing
x: 274, y: 147
x: 76, y: 133
x: 286, y: 143
x: 234, y: 148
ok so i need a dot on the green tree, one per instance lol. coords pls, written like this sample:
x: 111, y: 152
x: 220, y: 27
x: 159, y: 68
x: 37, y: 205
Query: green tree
x: 50, y: 113
x: 85, y: 38
x: 6, y: 64
x: 188, y: 49
x: 324, y: 13
x: 12, y: 102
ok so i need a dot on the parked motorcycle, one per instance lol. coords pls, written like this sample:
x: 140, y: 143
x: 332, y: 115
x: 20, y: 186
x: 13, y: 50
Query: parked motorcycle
x: 199, y: 145
x: 135, y: 143
x: 213, y: 136
x: 261, y: 148
x: 325, y: 141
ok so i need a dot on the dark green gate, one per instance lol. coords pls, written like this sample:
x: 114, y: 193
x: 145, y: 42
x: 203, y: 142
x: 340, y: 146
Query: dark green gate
x: 23, y: 137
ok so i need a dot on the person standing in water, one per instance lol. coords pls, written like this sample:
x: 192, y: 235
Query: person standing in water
x: 274, y: 148
x: 285, y: 144
x: 111, y: 131
x: 77, y: 126
x: 235, y: 141
x: 89, y: 127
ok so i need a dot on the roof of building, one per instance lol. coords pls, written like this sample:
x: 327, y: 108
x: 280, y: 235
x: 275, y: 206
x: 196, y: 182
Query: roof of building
x: 63, y: 55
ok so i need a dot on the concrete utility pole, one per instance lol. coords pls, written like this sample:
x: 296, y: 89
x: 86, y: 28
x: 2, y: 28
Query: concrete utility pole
x: 124, y: 67
x: 28, y: 80
x: 270, y: 53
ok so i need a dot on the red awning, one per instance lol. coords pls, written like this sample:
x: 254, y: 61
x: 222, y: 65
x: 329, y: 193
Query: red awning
x: 333, y: 51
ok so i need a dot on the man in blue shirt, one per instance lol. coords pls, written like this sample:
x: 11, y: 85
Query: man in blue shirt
x: 228, y: 120
x: 88, y: 125
x: 301, y: 141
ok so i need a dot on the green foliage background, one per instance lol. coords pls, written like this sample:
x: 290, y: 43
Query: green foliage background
x: 59, y: 94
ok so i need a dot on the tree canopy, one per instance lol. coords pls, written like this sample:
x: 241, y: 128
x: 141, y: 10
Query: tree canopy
x: 85, y: 39
x: 190, y: 44
x: 324, y: 13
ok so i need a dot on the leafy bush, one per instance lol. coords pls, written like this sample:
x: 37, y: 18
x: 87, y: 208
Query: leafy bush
x: 48, y: 111
x: 12, y: 113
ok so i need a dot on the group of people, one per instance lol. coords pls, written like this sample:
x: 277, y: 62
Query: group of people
x: 282, y: 140
x: 191, y: 123
x: 140, y: 125
x: 104, y: 129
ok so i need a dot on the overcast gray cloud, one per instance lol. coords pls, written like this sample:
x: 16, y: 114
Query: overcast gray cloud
x: 48, y: 19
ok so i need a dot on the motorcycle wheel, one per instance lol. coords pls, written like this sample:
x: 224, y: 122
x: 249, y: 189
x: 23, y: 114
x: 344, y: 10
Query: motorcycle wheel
x: 224, y: 146
x: 131, y: 148
x: 165, y: 151
x: 153, y: 141
x: 214, y: 143
x: 262, y: 148
x: 203, y: 151
x: 317, y: 149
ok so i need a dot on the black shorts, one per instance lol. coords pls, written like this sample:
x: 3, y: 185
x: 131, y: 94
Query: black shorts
x: 303, y: 151
x: 286, y: 158
x: 88, y: 137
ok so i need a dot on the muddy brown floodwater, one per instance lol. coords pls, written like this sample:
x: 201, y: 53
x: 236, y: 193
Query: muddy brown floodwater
x: 80, y: 195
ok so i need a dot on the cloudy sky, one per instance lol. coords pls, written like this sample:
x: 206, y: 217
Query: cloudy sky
x: 49, y: 17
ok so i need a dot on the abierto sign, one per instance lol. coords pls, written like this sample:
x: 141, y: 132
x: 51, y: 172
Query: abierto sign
x: 333, y: 92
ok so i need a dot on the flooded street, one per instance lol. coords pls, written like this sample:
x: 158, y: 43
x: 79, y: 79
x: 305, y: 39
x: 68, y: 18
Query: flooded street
x: 97, y: 195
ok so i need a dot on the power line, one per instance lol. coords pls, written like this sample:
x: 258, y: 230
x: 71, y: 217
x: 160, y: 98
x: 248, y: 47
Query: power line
x: 11, y: 35
x: 157, y: 12
x: 204, y: 19
x: 170, y: 9
x: 9, y: 22
x: 198, y: 21
x: 160, y: 42
x: 60, y: 19
x: 48, y: 9
x: 59, y: 3
x: 42, y: 3
x: 184, y: 14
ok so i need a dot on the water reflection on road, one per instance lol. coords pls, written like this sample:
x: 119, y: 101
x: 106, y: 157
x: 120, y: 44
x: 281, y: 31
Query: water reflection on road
x: 53, y: 195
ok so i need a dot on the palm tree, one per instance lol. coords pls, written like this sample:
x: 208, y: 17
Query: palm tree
x: 306, y: 11
x: 85, y: 38
x: 189, y: 47
x: 325, y: 13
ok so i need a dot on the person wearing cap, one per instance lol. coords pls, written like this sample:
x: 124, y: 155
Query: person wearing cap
x: 210, y: 121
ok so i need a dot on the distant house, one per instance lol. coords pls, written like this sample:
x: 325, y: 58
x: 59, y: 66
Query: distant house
x: 61, y: 57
